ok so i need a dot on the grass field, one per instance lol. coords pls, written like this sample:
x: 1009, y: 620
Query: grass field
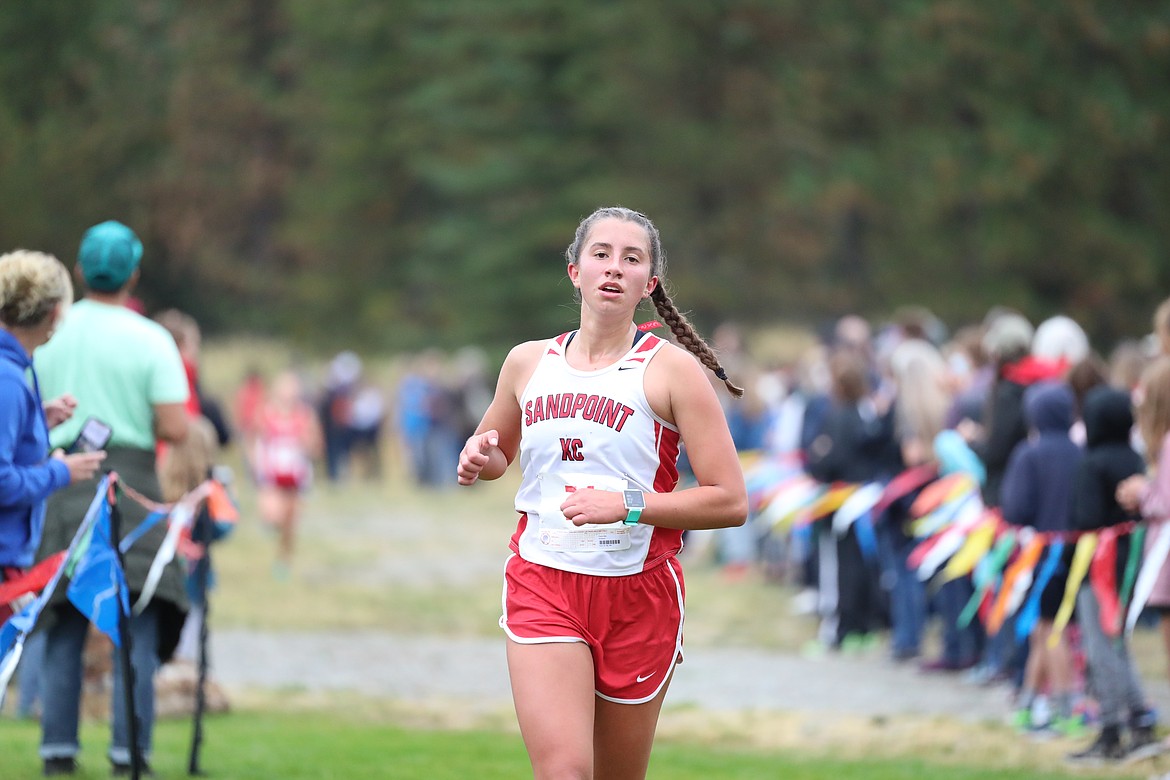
x: 330, y: 745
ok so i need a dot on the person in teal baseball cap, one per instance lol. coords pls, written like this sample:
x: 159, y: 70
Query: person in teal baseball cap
x: 125, y: 371
x: 109, y: 256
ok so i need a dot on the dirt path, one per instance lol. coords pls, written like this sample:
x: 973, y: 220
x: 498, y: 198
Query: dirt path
x: 419, y: 669
x: 848, y: 707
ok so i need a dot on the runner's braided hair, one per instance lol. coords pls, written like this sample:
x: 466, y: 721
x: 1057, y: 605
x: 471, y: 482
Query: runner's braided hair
x: 684, y: 333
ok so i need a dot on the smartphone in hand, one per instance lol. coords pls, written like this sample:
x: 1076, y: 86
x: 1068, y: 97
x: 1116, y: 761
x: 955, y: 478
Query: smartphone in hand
x: 94, y: 436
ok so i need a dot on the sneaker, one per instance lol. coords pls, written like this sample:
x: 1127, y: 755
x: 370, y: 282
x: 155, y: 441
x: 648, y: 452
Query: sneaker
x: 1072, y: 726
x: 979, y: 674
x: 1143, y: 744
x: 1106, y: 748
x: 1021, y: 720
x: 858, y: 644
x: 1143, y: 719
x: 945, y: 665
x: 853, y: 644
x: 66, y: 765
x: 123, y: 770
x: 900, y: 656
x: 1033, y: 721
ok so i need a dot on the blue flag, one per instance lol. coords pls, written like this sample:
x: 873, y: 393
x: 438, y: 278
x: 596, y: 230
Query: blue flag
x: 98, y: 587
x: 20, y: 623
x: 12, y: 636
x: 17, y: 627
x: 1030, y: 611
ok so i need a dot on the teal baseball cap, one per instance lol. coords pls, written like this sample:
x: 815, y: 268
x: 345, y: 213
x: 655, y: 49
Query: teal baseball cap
x: 109, y: 255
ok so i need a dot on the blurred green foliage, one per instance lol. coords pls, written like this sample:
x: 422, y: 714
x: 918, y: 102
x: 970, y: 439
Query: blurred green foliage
x: 389, y: 175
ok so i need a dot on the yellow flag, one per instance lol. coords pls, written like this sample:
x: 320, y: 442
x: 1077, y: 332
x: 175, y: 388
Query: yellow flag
x: 1082, y: 557
x: 978, y: 543
x: 830, y: 502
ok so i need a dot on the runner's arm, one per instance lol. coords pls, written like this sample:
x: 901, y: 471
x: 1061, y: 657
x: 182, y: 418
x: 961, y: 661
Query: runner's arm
x: 719, y: 500
x: 497, y: 438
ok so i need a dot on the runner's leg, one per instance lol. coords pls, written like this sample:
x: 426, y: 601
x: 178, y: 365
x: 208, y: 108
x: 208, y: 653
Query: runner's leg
x: 288, y: 525
x: 624, y: 736
x: 553, y: 690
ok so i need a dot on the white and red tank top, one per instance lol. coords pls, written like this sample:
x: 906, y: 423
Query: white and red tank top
x: 280, y: 455
x: 592, y: 429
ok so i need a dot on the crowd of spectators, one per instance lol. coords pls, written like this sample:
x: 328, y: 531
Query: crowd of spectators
x: 1025, y: 410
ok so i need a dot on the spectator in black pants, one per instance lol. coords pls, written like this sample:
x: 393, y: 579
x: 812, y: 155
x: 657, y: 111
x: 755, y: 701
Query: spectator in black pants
x: 856, y: 446
x: 1113, y: 679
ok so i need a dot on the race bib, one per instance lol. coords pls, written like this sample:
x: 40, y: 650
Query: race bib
x: 286, y: 457
x: 284, y: 462
x: 558, y: 533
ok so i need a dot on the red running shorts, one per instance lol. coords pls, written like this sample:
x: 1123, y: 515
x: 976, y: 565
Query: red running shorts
x: 633, y: 625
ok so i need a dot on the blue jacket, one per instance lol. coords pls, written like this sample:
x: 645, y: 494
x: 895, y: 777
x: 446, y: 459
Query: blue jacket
x: 1038, y: 484
x: 27, y: 474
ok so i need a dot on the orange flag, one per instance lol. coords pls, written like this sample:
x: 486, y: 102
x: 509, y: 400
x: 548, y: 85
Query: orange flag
x: 220, y: 505
x: 938, y: 492
x: 1016, y: 580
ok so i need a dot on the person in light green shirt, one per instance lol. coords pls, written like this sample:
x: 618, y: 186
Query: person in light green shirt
x: 96, y: 336
x: 126, y: 371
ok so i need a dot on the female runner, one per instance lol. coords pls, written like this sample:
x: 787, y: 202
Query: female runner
x: 593, y: 593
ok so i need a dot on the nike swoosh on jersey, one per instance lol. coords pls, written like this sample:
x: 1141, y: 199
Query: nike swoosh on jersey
x: 644, y: 677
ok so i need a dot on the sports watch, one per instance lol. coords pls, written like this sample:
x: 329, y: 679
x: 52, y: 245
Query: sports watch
x: 635, y: 503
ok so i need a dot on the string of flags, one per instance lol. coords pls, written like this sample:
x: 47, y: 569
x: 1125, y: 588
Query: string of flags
x: 96, y: 582
x: 957, y: 536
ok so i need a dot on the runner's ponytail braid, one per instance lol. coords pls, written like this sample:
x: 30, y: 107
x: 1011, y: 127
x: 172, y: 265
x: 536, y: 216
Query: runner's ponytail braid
x: 689, y: 339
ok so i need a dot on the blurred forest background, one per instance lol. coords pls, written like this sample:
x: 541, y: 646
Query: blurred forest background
x: 387, y: 175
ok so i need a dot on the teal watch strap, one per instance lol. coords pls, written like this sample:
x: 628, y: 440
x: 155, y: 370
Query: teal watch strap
x: 635, y: 502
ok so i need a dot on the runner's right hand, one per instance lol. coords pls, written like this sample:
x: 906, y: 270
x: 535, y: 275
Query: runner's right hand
x: 475, y: 455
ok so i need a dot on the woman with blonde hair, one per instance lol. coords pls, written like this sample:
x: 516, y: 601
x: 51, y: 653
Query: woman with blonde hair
x: 184, y: 467
x: 920, y: 375
x: 921, y: 402
x: 35, y: 291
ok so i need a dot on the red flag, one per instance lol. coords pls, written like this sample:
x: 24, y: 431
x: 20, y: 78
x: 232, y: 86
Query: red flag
x: 908, y: 481
x: 1103, y: 580
x: 919, y: 553
x: 33, y: 580
x: 986, y: 605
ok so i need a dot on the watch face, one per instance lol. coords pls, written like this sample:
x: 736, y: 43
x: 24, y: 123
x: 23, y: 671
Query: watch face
x: 635, y: 499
